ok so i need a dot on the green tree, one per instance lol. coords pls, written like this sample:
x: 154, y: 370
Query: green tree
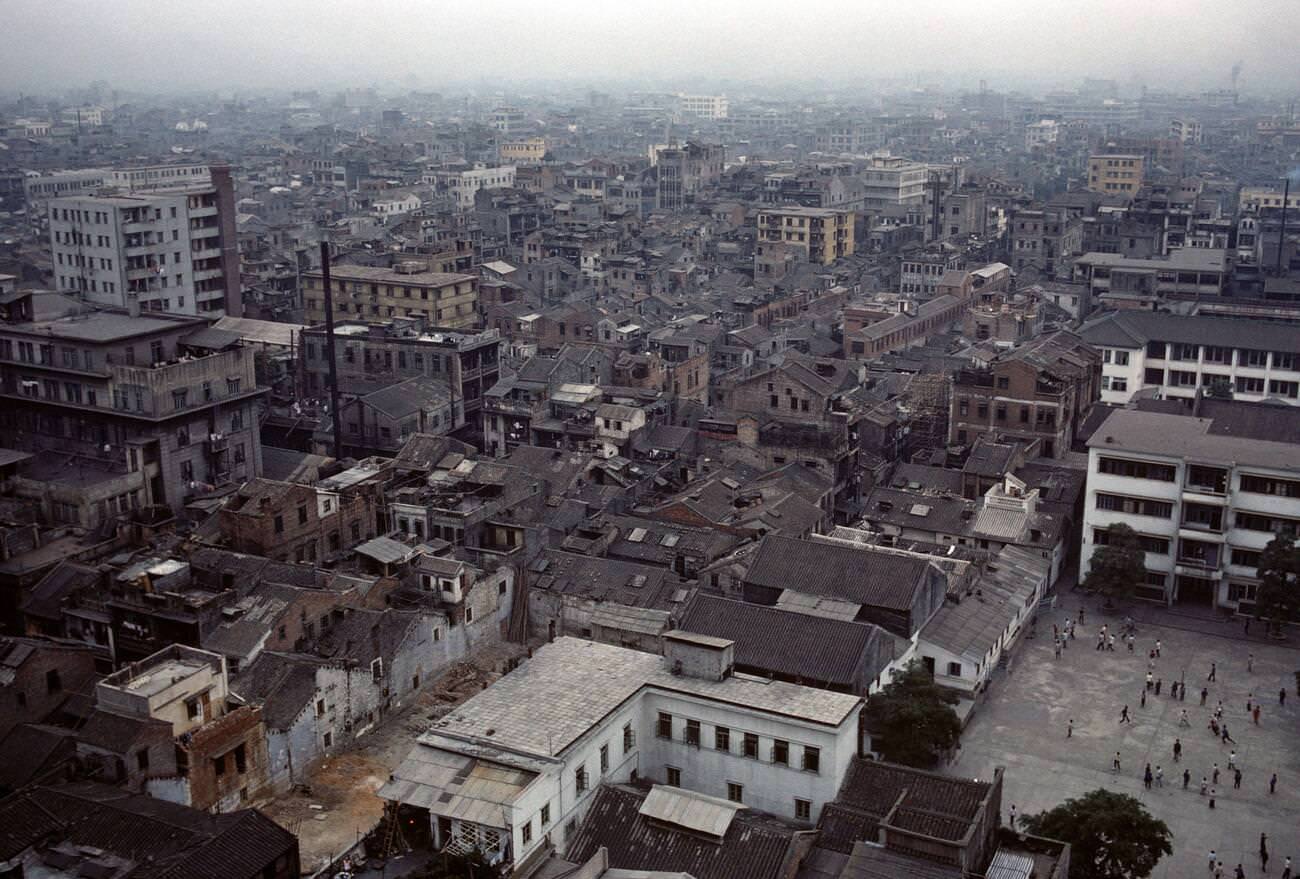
x: 1220, y: 388
x: 911, y: 719
x: 1111, y: 835
x: 1278, y: 596
x: 1116, y: 568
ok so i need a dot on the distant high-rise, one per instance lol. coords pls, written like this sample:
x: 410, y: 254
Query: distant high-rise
x: 173, y: 251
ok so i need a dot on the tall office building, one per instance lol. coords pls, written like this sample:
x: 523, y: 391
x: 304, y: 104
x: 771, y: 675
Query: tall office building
x: 174, y: 251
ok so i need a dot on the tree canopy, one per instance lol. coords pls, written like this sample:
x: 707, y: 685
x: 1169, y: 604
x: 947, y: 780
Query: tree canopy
x: 1111, y: 835
x: 1278, y: 595
x: 1117, y: 567
x: 911, y: 719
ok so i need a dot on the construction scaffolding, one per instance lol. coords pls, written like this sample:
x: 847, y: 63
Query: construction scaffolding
x: 926, y: 398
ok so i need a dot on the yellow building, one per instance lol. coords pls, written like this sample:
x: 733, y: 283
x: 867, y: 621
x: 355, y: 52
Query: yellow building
x: 410, y: 289
x: 1115, y: 173
x: 529, y: 151
x: 822, y: 234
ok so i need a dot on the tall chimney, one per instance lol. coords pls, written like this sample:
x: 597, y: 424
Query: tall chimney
x: 329, y: 349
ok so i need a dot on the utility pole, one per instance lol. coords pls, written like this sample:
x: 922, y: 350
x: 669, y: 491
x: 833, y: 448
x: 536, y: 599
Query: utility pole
x: 329, y: 349
x: 1281, y: 237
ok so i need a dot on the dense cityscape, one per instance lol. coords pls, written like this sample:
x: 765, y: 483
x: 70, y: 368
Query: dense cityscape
x: 713, y: 478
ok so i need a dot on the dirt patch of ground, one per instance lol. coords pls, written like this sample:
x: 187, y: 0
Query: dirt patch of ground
x: 338, y: 805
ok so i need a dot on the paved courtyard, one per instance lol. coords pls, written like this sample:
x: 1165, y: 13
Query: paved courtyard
x: 1022, y: 726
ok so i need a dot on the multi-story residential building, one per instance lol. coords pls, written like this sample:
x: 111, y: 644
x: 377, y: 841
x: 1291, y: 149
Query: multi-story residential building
x: 579, y: 714
x: 1206, y: 489
x: 153, y: 409
x: 173, y: 250
x: 919, y: 272
x: 468, y: 362
x: 507, y: 119
x: 1183, y: 355
x: 894, y: 182
x: 1037, y: 393
x: 1186, y: 130
x: 463, y: 181
x: 1041, y: 134
x: 1044, y: 239
x: 135, y: 178
x: 823, y: 235
x: 684, y: 171
x: 1188, y: 272
x: 1115, y: 173
x: 408, y: 289
x: 529, y: 151
x: 703, y: 106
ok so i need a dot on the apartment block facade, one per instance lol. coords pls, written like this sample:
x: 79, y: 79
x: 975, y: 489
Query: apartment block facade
x: 409, y: 289
x: 1206, y: 489
x: 172, y: 250
x: 1115, y: 173
x: 822, y: 235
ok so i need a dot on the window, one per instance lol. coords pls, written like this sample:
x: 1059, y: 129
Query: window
x: 1248, y: 558
x: 279, y: 524
x: 629, y: 738
x: 528, y: 832
x: 812, y: 757
x: 320, y: 707
x: 546, y: 814
x: 802, y: 810
x: 781, y: 752
x: 179, y: 398
x: 241, y: 760
x: 693, y: 733
x: 722, y: 738
x: 750, y: 746
x: 580, y: 779
x: 1003, y: 382
x: 604, y: 759
x: 302, y: 514
x: 1135, y: 506
x: 1270, y: 485
x: 1158, y: 545
x: 191, y: 708
x: 664, y: 725
x: 674, y: 776
x: 142, y: 759
x: 53, y: 683
x: 735, y: 792
x: 1136, y: 469
x: 1121, y: 358
x: 954, y: 669
x: 219, y: 765
x: 182, y: 437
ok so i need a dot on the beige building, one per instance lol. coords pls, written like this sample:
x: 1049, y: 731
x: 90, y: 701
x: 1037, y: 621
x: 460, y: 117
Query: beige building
x: 1115, y: 173
x: 409, y: 289
x: 529, y: 151
x: 822, y: 234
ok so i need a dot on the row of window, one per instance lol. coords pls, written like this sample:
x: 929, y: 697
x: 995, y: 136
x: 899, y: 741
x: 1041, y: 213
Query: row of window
x: 1199, y: 477
x: 1246, y: 521
x: 779, y: 752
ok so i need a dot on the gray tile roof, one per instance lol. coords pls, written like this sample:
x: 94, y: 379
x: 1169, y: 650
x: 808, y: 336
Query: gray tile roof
x: 859, y: 575
x: 815, y: 650
x: 754, y: 847
x: 1133, y: 329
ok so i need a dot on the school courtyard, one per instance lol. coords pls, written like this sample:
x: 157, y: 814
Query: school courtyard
x: 1022, y: 723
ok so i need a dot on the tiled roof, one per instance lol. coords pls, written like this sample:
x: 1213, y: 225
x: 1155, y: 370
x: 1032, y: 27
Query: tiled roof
x: 754, y: 847
x: 813, y: 649
x: 872, y: 578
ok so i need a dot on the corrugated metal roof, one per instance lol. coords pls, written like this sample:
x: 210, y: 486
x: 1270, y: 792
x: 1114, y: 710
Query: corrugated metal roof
x: 457, y: 786
x: 688, y: 809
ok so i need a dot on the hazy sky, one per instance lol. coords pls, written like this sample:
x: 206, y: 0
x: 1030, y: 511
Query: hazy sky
x: 168, y: 45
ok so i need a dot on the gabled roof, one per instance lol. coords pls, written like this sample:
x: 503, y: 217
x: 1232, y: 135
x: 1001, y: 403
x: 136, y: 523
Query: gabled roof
x: 813, y: 649
x: 871, y: 578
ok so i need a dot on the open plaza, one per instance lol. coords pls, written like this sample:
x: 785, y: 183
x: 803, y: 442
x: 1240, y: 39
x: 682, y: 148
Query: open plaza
x: 1024, y: 727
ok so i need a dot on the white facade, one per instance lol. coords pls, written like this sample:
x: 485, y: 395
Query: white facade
x: 1173, y: 354
x: 704, y: 106
x: 462, y: 183
x: 1204, y: 504
x: 162, y: 249
x: 1042, y: 133
x: 580, y: 713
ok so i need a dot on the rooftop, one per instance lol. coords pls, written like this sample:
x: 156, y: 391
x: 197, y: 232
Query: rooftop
x: 1210, y: 440
x: 549, y: 702
x: 386, y: 275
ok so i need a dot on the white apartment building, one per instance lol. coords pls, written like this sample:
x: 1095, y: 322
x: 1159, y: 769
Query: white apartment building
x: 703, y: 106
x: 171, y: 251
x: 39, y: 188
x: 1177, y: 355
x: 893, y: 181
x: 462, y: 181
x: 1041, y: 134
x: 518, y: 764
x: 1206, y: 491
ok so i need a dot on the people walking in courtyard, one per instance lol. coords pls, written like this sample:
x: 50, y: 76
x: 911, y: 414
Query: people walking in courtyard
x: 1147, y: 777
x: 1250, y: 662
x: 1069, y: 729
x: 1187, y: 777
x: 1205, y: 694
x: 1157, y: 648
x: 1178, y: 750
x: 1182, y: 719
x: 1160, y: 776
x: 1159, y: 683
x: 1236, y: 779
x: 1255, y: 714
x: 1114, y: 764
x: 1232, y: 759
x: 1213, y: 795
x: 1272, y: 784
x: 1123, y: 715
x: 1214, y: 774
x: 1213, y: 668
x: 1142, y: 699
